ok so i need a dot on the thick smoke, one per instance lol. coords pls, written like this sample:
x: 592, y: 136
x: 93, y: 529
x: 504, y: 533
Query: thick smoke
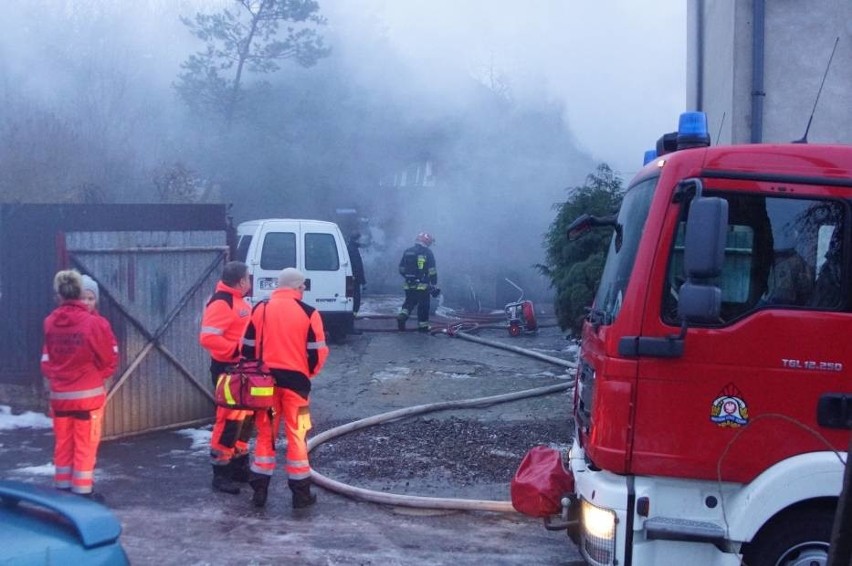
x: 472, y: 149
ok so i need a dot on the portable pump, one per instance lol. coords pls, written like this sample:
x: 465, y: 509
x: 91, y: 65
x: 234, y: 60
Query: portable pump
x: 520, y: 314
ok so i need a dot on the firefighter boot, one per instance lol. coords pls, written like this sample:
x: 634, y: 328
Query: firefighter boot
x: 260, y: 484
x: 222, y: 480
x: 400, y: 321
x: 239, y: 466
x: 302, y: 496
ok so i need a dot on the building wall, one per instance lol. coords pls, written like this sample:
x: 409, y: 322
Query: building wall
x: 798, y: 40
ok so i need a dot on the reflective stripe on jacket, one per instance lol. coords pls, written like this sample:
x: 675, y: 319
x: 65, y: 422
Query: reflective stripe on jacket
x: 418, y: 268
x: 79, y: 354
x: 224, y: 323
x: 289, y: 334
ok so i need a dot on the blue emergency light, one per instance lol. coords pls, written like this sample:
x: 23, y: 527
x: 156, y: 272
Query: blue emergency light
x: 650, y: 155
x: 692, y: 130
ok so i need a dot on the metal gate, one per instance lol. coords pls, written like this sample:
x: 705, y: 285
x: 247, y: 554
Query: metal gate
x: 153, y: 289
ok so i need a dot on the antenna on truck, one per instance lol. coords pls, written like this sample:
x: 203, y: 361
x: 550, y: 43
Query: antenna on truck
x: 721, y: 123
x: 827, y: 67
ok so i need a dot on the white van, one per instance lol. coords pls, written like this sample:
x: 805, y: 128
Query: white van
x: 314, y: 247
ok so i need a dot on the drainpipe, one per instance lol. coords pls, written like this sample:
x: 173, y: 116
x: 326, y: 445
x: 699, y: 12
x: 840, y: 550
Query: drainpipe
x: 699, y: 56
x: 757, y: 92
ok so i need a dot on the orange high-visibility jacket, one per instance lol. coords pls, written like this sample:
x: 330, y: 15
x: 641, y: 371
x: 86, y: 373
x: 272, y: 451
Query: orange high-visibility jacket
x: 224, y: 323
x: 288, y: 333
x: 79, y: 354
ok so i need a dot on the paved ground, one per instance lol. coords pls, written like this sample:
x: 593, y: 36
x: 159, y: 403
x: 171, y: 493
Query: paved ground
x: 158, y: 484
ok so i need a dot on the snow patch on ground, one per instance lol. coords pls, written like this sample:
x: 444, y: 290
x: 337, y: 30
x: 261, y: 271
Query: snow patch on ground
x: 43, y: 470
x: 392, y: 373
x: 455, y: 375
x: 29, y: 419
x: 380, y: 305
x: 200, y: 438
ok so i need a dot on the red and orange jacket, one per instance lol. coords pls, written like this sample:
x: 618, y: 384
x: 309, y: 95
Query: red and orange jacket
x: 289, y: 336
x: 224, y: 323
x: 79, y: 354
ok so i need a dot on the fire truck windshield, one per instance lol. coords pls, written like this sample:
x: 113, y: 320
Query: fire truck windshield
x: 622, y: 249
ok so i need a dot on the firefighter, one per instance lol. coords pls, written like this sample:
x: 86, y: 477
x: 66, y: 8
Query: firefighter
x: 417, y: 267
x: 225, y: 319
x: 79, y: 355
x: 360, y: 280
x: 289, y: 336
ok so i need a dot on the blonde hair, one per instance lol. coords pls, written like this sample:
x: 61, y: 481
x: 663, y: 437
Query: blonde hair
x: 68, y: 284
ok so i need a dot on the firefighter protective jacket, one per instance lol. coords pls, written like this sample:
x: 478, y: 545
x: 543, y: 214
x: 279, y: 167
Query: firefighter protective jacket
x: 225, y: 320
x: 289, y: 336
x: 417, y: 266
x: 79, y: 354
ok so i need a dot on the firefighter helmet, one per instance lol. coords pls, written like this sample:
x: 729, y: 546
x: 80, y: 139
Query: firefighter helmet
x: 425, y: 238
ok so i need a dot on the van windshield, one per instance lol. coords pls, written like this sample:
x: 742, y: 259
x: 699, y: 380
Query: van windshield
x: 622, y: 250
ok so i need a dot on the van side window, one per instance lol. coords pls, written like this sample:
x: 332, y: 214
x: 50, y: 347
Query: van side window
x: 781, y: 253
x: 321, y: 252
x: 243, y: 247
x: 278, y: 251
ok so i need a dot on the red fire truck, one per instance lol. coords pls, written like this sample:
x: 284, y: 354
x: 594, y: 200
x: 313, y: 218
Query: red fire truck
x: 714, y: 389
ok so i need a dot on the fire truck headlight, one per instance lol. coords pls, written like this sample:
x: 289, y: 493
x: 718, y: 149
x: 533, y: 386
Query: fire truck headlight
x: 599, y: 523
x: 598, y: 534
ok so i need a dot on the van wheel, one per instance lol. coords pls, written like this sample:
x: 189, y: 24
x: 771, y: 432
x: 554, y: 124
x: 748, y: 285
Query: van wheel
x: 800, y: 538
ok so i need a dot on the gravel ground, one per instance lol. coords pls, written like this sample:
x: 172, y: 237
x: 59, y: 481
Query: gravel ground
x: 462, y: 452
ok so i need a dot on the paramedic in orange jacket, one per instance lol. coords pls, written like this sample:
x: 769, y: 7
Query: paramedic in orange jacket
x: 79, y: 355
x: 290, y: 338
x: 225, y: 320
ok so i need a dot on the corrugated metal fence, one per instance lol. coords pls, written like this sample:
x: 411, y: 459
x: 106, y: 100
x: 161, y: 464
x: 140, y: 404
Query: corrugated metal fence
x: 154, y: 284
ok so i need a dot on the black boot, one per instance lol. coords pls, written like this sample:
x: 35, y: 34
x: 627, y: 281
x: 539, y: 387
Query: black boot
x: 222, y: 480
x: 260, y: 484
x: 302, y: 496
x: 239, y: 466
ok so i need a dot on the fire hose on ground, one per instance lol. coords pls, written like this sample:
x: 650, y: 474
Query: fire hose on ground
x: 439, y: 503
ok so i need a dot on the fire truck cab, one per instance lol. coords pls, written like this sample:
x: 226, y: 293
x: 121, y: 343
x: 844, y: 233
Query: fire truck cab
x: 714, y: 397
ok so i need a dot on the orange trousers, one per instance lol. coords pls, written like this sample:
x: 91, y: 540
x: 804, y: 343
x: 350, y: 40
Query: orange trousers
x: 229, y: 439
x: 78, y: 435
x: 296, y: 414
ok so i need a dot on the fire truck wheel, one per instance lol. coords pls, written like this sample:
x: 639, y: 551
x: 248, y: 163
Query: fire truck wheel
x: 799, y: 538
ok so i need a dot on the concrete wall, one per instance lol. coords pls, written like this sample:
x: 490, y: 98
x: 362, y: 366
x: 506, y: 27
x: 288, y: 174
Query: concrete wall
x: 799, y: 37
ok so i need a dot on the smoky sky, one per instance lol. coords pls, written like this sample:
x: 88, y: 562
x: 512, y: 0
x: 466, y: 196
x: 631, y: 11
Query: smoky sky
x: 618, y: 66
x: 504, y: 104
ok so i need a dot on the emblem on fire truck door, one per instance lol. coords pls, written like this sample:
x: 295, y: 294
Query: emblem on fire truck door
x: 729, y: 408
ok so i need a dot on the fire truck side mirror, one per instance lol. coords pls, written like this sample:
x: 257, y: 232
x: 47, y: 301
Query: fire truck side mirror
x: 579, y: 227
x: 699, y: 303
x: 706, y: 234
x: 586, y: 222
x: 703, y: 258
